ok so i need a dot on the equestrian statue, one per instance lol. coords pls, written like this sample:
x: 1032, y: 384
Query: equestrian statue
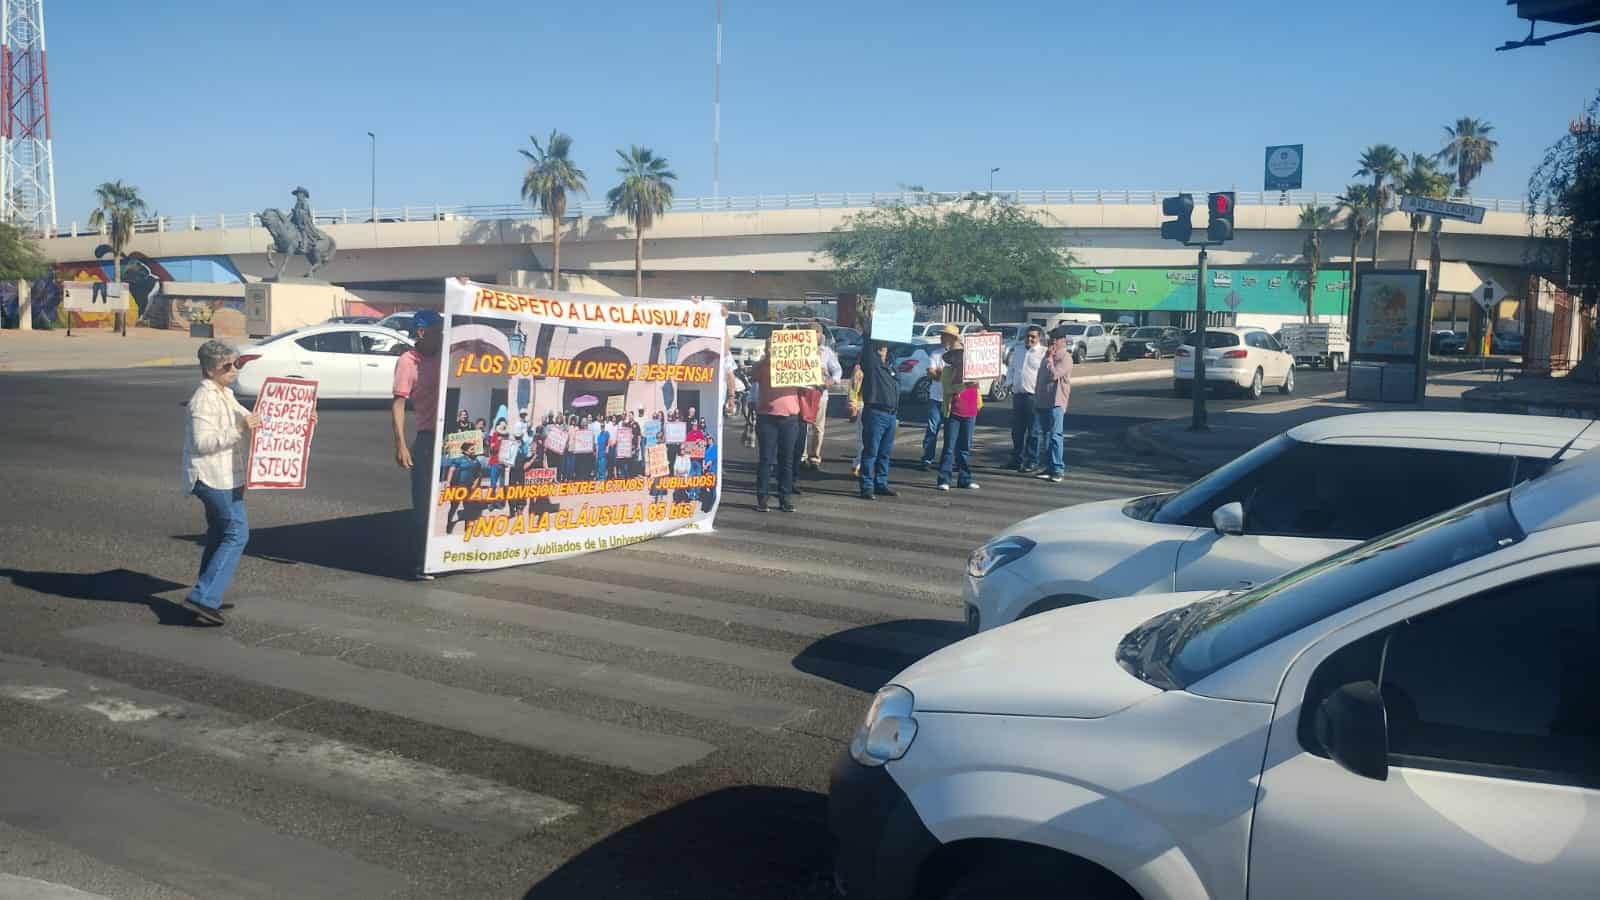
x: 296, y: 235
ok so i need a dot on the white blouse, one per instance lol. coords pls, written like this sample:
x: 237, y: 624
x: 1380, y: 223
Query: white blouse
x: 215, y: 446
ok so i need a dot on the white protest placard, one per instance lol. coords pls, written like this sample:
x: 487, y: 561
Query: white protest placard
x: 795, y: 359
x: 623, y: 442
x: 280, y: 447
x: 677, y: 432
x: 981, y: 360
x: 892, y: 314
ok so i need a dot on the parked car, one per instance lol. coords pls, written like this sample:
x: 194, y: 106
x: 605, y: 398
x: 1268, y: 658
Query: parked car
x: 1151, y: 342
x: 352, y: 320
x: 740, y: 318
x: 1507, y: 342
x: 1444, y: 342
x: 1244, y: 358
x: 847, y: 342
x: 1412, y: 717
x: 401, y: 322
x: 1089, y: 340
x: 348, y: 362
x: 750, y: 344
x: 926, y: 332
x: 1309, y: 492
x: 911, y: 370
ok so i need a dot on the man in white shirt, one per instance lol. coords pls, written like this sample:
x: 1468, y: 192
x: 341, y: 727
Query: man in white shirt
x: 935, y: 356
x: 1022, y: 375
x: 832, y: 374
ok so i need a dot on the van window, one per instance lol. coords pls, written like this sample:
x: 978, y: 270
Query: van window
x: 1096, y: 331
x: 1214, y: 339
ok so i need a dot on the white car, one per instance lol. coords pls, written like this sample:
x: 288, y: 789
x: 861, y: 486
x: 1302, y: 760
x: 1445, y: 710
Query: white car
x: 348, y: 362
x: 1416, y: 717
x: 1246, y: 358
x: 911, y: 371
x: 1298, y: 497
x: 749, y: 345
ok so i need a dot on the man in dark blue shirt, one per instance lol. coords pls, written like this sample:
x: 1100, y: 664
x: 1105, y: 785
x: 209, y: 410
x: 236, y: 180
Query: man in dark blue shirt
x: 880, y: 410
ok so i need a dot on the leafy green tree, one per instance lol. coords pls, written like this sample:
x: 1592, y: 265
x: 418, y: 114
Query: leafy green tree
x: 20, y: 258
x: 551, y: 175
x: 979, y: 246
x: 1422, y: 178
x: 120, y: 206
x: 1356, y: 204
x: 643, y: 195
x: 1380, y: 162
x: 1315, y: 220
x: 1564, y: 193
x: 1468, y: 148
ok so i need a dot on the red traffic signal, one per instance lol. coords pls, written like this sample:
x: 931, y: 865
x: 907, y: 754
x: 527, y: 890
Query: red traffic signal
x: 1220, y: 206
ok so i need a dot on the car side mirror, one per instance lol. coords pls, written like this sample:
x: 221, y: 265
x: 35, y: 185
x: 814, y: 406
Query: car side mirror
x: 1353, y: 726
x: 1228, y: 518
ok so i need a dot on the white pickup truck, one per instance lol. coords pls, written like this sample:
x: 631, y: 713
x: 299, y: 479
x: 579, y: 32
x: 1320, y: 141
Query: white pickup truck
x: 1316, y: 344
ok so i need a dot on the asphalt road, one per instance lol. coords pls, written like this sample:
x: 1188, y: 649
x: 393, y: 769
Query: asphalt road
x: 650, y: 722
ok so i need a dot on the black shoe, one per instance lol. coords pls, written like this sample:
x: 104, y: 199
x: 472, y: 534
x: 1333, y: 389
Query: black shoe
x: 203, y: 613
x: 762, y: 507
x: 785, y: 506
x: 866, y: 495
x: 888, y: 492
x: 225, y: 605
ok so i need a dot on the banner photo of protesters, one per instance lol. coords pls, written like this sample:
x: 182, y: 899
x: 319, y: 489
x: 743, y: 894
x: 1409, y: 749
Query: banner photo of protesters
x: 572, y: 423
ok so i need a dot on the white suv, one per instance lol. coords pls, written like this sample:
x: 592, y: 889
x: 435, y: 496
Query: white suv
x: 1309, y: 492
x: 1416, y: 717
x: 1244, y: 358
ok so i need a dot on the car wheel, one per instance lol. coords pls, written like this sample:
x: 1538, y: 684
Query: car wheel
x: 1255, y: 386
x: 1288, y: 382
x: 1079, y: 355
x: 1000, y: 393
x: 1111, y: 353
x: 919, y: 391
x: 1333, y: 362
x: 1182, y: 388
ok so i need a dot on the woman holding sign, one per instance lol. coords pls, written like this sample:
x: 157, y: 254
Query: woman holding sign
x: 777, y: 429
x: 214, y: 449
x: 962, y: 400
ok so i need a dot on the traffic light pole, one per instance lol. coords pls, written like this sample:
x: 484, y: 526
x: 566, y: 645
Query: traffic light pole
x: 1197, y: 420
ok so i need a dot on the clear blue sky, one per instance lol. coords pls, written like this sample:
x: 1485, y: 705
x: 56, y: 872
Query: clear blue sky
x: 224, y: 107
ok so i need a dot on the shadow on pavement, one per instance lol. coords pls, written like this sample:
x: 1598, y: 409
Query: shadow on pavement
x: 110, y: 586
x: 865, y: 658
x: 371, y: 544
x: 733, y: 843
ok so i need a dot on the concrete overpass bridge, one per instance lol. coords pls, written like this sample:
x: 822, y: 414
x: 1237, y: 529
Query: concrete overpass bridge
x: 763, y: 247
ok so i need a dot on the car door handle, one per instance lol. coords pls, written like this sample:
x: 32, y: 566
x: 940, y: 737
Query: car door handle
x: 306, y: 362
x: 372, y: 365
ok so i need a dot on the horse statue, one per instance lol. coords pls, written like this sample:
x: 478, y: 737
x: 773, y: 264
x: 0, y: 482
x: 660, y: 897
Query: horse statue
x: 287, y: 241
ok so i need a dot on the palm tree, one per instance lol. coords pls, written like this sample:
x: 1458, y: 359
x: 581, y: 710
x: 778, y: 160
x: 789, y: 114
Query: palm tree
x: 551, y: 175
x: 1380, y: 161
x: 644, y: 193
x: 1422, y: 178
x: 120, y: 206
x: 1314, y: 219
x: 1469, y: 149
x: 1356, y: 203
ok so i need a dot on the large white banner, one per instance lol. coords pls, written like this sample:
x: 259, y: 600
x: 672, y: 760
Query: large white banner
x: 576, y: 394
x: 94, y: 296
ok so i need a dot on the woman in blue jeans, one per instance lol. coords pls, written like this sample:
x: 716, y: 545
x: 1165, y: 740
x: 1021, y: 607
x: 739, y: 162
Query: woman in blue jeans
x: 214, y: 451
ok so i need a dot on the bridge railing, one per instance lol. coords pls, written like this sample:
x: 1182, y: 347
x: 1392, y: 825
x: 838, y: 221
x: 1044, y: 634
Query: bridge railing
x: 430, y: 212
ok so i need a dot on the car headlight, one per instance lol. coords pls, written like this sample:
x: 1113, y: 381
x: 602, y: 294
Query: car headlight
x: 888, y: 730
x: 997, y: 553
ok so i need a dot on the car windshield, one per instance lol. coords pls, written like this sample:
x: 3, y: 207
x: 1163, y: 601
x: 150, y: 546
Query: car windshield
x: 1147, y: 333
x: 758, y: 331
x: 1075, y: 329
x: 1214, y: 339
x: 1228, y: 627
x: 1197, y: 497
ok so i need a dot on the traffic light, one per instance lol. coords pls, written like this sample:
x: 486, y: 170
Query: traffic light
x: 1181, y: 228
x: 1221, y: 207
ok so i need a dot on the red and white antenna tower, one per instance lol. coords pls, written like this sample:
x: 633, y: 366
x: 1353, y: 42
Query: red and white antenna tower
x: 27, y: 168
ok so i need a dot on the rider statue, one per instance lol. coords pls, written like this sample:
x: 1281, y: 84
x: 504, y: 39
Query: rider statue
x: 296, y: 234
x: 301, y: 217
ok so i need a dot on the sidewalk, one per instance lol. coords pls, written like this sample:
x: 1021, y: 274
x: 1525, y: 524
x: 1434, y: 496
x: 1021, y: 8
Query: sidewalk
x: 1236, y: 431
x: 48, y: 351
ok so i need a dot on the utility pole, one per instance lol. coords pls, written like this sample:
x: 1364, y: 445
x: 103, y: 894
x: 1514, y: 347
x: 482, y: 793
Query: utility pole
x: 373, y: 170
x: 716, y: 112
x: 1197, y: 416
x: 1219, y: 230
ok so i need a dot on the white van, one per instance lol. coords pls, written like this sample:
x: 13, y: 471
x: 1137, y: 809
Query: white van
x: 1415, y: 717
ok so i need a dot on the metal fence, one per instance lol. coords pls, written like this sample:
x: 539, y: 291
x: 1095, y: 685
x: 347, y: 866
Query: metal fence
x: 747, y: 203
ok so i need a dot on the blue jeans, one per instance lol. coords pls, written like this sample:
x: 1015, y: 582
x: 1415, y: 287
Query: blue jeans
x: 1024, y: 432
x: 877, y: 445
x: 422, y: 466
x: 957, y: 451
x: 930, y: 438
x: 600, y: 461
x: 227, y: 531
x: 1051, y: 445
x: 496, y: 470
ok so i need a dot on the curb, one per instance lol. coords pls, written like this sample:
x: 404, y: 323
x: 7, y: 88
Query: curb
x: 1139, y: 439
x: 1122, y: 376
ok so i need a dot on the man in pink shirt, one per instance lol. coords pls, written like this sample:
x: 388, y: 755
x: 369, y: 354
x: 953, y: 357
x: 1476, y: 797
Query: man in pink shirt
x: 416, y: 377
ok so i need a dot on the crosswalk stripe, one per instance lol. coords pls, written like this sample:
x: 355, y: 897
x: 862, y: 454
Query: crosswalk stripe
x: 550, y: 669
x: 873, y: 594
x: 171, y: 840
x: 827, y: 563
x: 487, y: 715
x: 460, y: 802
x: 623, y: 634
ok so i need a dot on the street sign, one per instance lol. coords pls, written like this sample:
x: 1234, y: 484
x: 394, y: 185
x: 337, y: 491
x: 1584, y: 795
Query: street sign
x: 1443, y: 209
x: 1285, y: 167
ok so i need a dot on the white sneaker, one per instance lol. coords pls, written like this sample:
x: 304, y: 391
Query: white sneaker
x: 970, y: 487
x: 944, y: 487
